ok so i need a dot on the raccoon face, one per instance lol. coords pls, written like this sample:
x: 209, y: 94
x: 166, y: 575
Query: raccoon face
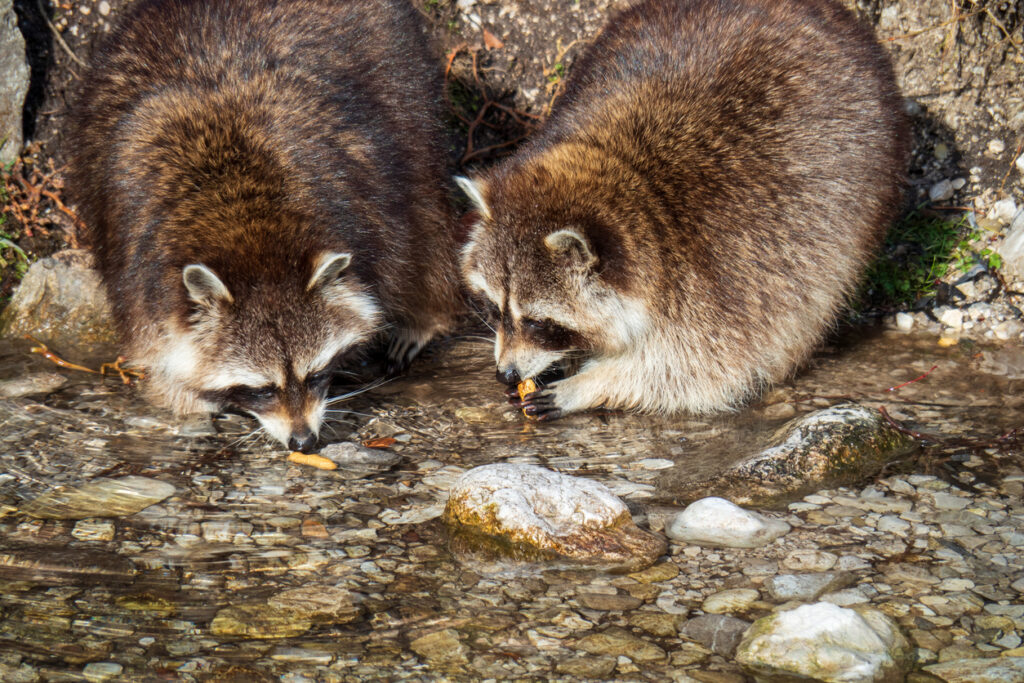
x: 541, y: 279
x: 269, y: 349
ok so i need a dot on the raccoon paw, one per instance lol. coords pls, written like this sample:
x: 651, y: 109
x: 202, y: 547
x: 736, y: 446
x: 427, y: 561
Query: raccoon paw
x: 404, y: 346
x: 541, y: 405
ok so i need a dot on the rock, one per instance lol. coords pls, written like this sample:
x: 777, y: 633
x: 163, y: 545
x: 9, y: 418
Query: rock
x: 588, y: 668
x: 529, y: 512
x: 356, y: 462
x: 717, y: 632
x: 717, y: 522
x: 904, y: 321
x: 259, y: 621
x: 996, y: 146
x: 441, y: 647
x: 609, y: 603
x: 618, y: 641
x: 824, y: 642
x: 656, y: 623
x: 941, y: 191
x: 1001, y: 670
x: 61, y: 302
x: 14, y: 77
x: 65, y: 566
x: 94, y: 530
x: 100, y: 498
x: 951, y: 317
x: 101, y: 671
x: 833, y: 447
x: 1020, y: 164
x: 1004, y: 210
x: 730, y: 601
x: 809, y: 561
x: 805, y: 587
x: 1012, y: 248
x: 34, y: 383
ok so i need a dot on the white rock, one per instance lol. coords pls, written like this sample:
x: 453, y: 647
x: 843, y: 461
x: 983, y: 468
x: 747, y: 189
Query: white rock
x: 826, y: 642
x: 717, y: 522
x: 1020, y: 164
x: 952, y: 317
x: 94, y: 530
x: 959, y: 183
x: 1004, y: 210
x: 996, y: 146
x: 810, y: 561
x: 1012, y: 248
x: 845, y: 597
x: 526, y: 496
x: 941, y: 191
x: 891, y: 524
x: 904, y: 321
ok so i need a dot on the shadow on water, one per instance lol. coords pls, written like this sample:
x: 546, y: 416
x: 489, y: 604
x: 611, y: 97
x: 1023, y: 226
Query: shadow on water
x: 241, y: 525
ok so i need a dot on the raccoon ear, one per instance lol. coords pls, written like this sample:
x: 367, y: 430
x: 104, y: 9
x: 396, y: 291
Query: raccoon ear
x: 329, y: 266
x: 474, y: 189
x: 572, y: 244
x: 203, y: 285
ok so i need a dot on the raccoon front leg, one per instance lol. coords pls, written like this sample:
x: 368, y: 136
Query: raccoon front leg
x: 609, y: 382
x: 406, y: 343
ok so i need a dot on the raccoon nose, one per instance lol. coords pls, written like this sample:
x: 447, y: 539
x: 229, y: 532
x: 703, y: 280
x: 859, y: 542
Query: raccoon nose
x: 509, y: 377
x: 303, y: 441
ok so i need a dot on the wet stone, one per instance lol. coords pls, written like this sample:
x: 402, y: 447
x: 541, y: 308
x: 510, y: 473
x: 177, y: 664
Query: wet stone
x: 1001, y: 670
x: 516, y: 509
x: 259, y: 621
x: 103, y: 497
x: 599, y: 667
x: 357, y: 462
x: 656, y: 623
x: 730, y: 601
x: 101, y: 671
x: 34, y: 383
x: 606, y: 603
x: 65, y: 566
x: 94, y: 530
x: 620, y: 642
x: 826, y: 642
x: 830, y: 447
x: 785, y: 587
x: 717, y: 522
x: 717, y: 632
x: 321, y: 604
x: 809, y: 561
x: 444, y: 646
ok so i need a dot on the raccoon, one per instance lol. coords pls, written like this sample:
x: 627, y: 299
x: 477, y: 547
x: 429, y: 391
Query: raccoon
x: 685, y: 226
x: 263, y: 184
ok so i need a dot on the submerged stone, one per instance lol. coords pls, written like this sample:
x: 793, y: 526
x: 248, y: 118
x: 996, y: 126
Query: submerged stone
x: 100, y: 498
x: 528, y: 512
x: 441, y: 647
x: 318, y: 603
x: 716, y: 522
x: 837, y: 446
x: 825, y: 642
x: 717, y: 632
x: 34, y: 383
x: 356, y: 462
x: 259, y: 621
x: 1001, y: 670
x: 620, y: 642
x: 60, y: 566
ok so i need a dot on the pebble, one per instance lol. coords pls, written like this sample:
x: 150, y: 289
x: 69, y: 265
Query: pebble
x: 717, y: 632
x: 94, y: 530
x: 101, y: 671
x: 904, y: 321
x: 810, y: 561
x: 33, y: 383
x: 444, y: 645
x: 717, y: 522
x: 1003, y: 211
x: 730, y: 601
x: 103, y: 497
x: 996, y: 146
x: 941, y: 191
x: 620, y: 642
x: 804, y: 587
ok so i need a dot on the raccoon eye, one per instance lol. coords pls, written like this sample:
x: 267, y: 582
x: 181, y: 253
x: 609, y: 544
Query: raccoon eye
x: 320, y: 380
x: 535, y: 325
x: 249, y: 395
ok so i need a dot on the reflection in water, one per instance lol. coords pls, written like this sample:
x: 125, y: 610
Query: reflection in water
x: 241, y: 526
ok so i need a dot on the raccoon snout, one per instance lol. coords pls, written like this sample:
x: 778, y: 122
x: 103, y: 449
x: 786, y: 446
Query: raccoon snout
x: 508, y: 377
x: 303, y: 441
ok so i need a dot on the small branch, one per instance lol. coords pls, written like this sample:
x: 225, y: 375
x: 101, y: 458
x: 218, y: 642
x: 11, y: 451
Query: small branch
x: 58, y: 37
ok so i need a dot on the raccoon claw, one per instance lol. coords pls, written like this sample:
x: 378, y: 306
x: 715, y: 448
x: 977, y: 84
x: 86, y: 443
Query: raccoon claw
x: 401, y: 351
x: 540, y: 406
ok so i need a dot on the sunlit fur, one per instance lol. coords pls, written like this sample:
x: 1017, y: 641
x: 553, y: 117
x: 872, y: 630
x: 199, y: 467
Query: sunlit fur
x: 262, y: 184
x: 706, y: 192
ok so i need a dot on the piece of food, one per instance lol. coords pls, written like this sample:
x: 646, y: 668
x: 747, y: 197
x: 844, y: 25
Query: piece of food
x: 527, y: 386
x: 313, y: 459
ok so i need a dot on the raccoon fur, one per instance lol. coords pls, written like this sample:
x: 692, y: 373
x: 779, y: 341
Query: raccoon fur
x: 263, y: 187
x: 686, y: 224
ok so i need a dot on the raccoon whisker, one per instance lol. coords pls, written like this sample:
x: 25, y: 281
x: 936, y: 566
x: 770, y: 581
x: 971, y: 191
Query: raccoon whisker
x: 356, y: 392
x: 482, y: 318
x: 347, y: 412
